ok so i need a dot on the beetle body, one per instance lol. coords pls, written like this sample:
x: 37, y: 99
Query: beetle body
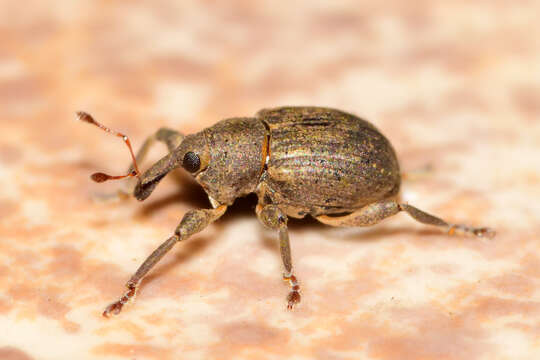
x: 323, y: 162
x: 307, y: 160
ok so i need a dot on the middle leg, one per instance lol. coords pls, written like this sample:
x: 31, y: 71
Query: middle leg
x: 272, y: 217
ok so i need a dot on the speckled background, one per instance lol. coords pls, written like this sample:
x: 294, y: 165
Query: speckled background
x: 451, y: 83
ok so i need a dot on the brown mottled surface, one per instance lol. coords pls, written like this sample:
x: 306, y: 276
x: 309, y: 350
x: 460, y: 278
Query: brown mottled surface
x: 452, y: 83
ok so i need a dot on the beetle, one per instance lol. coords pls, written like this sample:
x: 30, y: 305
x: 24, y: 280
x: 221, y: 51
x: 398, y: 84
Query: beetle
x: 322, y: 162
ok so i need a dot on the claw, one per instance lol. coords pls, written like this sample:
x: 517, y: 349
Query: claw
x: 113, y: 309
x: 294, y: 296
x: 485, y: 232
x: 116, y: 307
x: 292, y: 299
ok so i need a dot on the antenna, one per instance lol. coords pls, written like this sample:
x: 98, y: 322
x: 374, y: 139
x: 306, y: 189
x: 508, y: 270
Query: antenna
x: 99, y: 176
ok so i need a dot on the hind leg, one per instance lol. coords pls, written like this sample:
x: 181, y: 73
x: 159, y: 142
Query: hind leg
x: 373, y: 213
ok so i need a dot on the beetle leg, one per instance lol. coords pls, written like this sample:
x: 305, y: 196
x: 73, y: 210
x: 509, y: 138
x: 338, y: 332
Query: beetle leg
x: 368, y: 215
x: 272, y: 217
x: 169, y: 137
x: 418, y: 173
x: 426, y: 218
x: 193, y: 222
x: 374, y: 213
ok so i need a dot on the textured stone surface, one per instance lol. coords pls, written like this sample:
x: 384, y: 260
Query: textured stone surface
x: 452, y: 83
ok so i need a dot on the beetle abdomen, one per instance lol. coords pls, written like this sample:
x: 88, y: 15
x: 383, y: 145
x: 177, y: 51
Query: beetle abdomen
x: 327, y: 161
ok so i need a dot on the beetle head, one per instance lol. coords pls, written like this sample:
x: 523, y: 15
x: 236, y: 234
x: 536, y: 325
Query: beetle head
x: 226, y: 160
x: 192, y: 154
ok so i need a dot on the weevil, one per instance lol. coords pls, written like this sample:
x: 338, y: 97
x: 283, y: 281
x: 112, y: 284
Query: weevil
x: 322, y: 162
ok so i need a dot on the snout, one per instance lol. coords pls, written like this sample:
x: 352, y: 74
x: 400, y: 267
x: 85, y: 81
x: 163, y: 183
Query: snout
x: 149, y: 180
x: 145, y: 187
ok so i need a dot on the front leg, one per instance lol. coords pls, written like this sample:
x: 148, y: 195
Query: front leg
x: 169, y: 137
x: 192, y: 222
x: 272, y: 217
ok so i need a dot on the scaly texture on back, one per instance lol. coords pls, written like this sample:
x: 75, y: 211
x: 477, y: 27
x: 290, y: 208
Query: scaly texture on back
x: 327, y: 161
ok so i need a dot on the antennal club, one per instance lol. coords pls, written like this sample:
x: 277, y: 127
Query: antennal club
x: 99, y: 176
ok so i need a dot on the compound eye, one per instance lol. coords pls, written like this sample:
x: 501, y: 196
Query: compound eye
x: 191, y: 162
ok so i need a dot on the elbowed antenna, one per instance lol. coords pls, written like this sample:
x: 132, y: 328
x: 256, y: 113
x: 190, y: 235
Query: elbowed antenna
x: 99, y: 176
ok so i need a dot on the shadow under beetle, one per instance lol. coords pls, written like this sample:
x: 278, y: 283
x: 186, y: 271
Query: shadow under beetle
x: 299, y: 161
